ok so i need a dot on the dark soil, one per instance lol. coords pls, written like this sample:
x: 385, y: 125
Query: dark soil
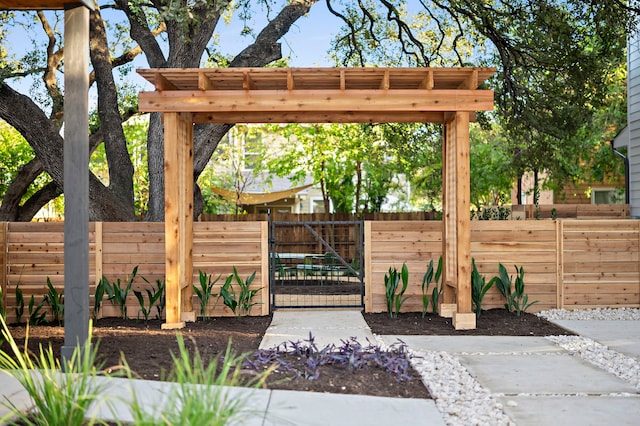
x: 494, y: 322
x: 147, y: 348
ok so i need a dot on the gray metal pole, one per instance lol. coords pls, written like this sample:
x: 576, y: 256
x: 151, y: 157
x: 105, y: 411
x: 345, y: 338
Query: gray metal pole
x: 76, y: 179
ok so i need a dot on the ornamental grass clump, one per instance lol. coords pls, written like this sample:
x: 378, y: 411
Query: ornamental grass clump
x: 55, y: 398
x: 203, y: 393
x: 395, y: 299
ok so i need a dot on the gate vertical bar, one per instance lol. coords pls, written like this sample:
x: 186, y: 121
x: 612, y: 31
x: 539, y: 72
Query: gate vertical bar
x: 272, y: 261
x: 361, y: 268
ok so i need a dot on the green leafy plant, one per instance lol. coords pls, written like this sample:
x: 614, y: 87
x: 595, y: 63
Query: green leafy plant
x: 35, y: 315
x: 240, y: 303
x: 57, y: 399
x: 395, y: 298
x: 517, y: 300
x: 205, y: 292
x: 55, y: 301
x: 118, y: 293
x: 479, y: 288
x: 437, y: 291
x: 154, y: 295
x: 162, y: 300
x: 211, y: 403
x: 19, y: 304
x: 99, y: 295
x: 426, y: 283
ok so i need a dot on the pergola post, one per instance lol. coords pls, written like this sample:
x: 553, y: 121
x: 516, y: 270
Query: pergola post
x: 76, y: 180
x: 456, y: 222
x: 76, y: 164
x: 178, y: 200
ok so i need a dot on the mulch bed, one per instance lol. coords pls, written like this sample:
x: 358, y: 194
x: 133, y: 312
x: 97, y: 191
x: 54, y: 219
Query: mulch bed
x: 493, y: 322
x: 147, y: 348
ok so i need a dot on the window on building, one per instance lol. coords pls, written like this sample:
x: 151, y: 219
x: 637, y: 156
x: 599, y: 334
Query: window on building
x: 251, y: 150
x: 607, y: 196
x: 317, y: 205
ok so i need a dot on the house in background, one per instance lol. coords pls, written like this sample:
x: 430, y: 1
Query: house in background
x: 278, y: 196
x: 630, y: 138
x: 585, y: 193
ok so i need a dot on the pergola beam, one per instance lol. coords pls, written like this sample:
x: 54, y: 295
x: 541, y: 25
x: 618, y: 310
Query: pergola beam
x: 322, y: 117
x: 248, y: 102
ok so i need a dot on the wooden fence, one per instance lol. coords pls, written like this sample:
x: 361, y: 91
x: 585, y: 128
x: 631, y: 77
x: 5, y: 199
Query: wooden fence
x: 567, y: 263
x: 34, y: 252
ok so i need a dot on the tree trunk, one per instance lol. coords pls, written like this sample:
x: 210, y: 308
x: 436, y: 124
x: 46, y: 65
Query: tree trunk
x: 187, y: 53
x: 118, y: 159
x: 519, y: 190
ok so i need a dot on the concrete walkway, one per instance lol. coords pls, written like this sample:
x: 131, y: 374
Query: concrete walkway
x: 326, y: 326
x: 535, y: 381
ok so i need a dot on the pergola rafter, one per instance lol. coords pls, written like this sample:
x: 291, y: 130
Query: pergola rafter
x: 316, y: 95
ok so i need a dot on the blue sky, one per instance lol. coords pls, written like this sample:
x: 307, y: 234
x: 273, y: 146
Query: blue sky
x: 306, y: 43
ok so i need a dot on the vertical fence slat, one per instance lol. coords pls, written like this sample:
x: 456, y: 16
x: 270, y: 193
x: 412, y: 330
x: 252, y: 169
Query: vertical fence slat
x: 4, y: 226
x: 264, y: 267
x: 99, y: 271
x: 559, y: 265
x: 368, y: 272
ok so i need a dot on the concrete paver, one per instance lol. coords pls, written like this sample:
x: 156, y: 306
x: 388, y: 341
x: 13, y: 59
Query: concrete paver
x: 12, y: 390
x: 327, y: 327
x: 473, y: 344
x: 152, y: 396
x: 620, y: 336
x: 542, y: 374
x: 572, y: 410
x: 309, y: 409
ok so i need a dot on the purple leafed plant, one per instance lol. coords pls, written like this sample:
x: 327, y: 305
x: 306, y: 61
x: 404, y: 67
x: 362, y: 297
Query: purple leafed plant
x: 350, y: 354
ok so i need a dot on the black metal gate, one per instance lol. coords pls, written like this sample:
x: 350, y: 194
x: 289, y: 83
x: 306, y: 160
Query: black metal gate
x: 316, y: 264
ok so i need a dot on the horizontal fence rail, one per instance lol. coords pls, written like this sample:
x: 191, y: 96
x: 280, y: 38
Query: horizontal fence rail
x: 568, y: 263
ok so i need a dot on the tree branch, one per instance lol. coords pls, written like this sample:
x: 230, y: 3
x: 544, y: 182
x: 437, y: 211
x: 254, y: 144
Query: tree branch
x: 266, y: 49
x: 9, y: 209
x: 54, y: 60
x: 141, y: 33
x: 37, y: 201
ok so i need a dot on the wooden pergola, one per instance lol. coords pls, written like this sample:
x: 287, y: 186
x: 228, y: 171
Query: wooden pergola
x: 317, y: 95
